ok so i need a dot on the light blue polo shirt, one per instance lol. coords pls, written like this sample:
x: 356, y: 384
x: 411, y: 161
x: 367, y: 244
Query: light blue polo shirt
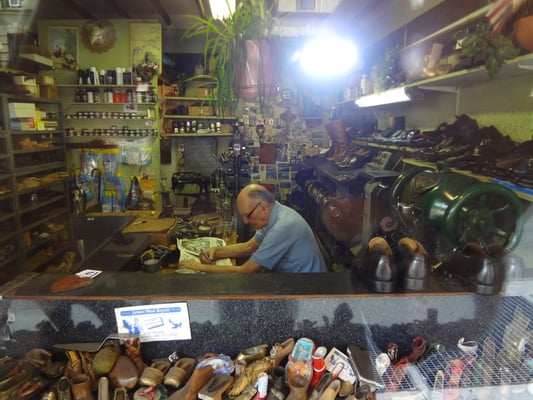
x: 287, y: 243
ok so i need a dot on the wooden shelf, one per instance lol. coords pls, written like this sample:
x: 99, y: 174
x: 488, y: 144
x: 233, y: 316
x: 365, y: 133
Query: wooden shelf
x: 522, y: 192
x: 198, y: 117
x: 197, y: 134
x: 106, y: 86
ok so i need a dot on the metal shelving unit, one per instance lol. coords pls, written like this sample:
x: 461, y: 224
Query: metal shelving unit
x: 35, y: 205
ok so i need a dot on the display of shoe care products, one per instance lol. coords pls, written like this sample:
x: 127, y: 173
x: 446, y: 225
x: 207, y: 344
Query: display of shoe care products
x: 289, y: 370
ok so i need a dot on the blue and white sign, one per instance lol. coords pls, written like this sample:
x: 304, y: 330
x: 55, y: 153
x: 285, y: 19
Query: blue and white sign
x: 155, y: 322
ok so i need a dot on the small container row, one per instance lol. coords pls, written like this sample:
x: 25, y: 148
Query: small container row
x: 95, y: 95
x: 110, y: 115
x: 113, y: 131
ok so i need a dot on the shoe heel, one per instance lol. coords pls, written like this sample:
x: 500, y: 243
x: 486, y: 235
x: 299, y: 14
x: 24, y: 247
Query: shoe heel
x: 383, y: 286
x: 414, y: 284
x: 487, y: 289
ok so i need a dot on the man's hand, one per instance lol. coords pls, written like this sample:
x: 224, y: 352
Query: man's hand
x: 207, y: 256
x: 190, y: 264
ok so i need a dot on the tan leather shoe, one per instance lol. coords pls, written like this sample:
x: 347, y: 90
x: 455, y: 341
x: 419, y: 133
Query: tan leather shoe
x: 178, y: 374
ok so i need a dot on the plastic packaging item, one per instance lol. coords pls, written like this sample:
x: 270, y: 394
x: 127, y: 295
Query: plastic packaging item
x: 110, y: 161
x: 120, y: 192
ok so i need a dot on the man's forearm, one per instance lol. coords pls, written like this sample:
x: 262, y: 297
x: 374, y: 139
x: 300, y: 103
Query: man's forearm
x: 236, y: 250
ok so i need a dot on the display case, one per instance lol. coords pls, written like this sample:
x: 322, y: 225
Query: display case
x: 227, y: 314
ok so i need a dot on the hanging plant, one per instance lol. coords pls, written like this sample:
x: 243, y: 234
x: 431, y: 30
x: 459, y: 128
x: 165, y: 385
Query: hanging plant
x: 495, y: 49
x: 225, y: 49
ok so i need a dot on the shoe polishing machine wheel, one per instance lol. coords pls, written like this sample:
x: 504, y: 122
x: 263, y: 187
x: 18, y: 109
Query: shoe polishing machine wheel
x: 460, y: 207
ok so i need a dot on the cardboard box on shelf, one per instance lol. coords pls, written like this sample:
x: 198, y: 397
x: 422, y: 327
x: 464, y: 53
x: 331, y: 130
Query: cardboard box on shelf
x: 22, y: 124
x: 48, y: 92
x: 201, y: 111
x: 28, y: 90
x: 24, y: 80
x: 202, y: 92
x: 46, y: 79
x: 21, y: 110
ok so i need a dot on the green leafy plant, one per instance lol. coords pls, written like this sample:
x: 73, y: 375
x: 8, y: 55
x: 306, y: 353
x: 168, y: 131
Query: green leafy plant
x: 495, y: 49
x: 225, y: 49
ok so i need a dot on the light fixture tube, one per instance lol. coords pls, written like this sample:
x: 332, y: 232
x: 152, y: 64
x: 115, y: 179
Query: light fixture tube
x: 221, y: 9
x: 396, y: 95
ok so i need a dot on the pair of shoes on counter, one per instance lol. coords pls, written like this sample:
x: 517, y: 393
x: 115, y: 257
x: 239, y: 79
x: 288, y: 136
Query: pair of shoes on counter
x: 384, y: 270
x: 481, y: 271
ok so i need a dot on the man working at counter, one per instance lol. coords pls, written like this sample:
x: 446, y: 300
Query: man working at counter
x: 283, y: 241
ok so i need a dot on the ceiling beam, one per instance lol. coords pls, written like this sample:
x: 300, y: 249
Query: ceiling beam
x: 78, y: 8
x: 201, y: 8
x: 119, y: 9
x: 162, y: 11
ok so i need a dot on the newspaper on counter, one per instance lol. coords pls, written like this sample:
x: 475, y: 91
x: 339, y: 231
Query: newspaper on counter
x: 190, y: 248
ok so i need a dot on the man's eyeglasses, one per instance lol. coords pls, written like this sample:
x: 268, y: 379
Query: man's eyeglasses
x: 248, y: 215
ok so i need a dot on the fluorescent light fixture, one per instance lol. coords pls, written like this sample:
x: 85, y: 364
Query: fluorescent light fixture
x: 327, y: 57
x: 396, y: 95
x: 221, y: 9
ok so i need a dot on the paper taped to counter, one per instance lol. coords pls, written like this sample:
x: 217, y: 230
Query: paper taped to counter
x: 190, y: 248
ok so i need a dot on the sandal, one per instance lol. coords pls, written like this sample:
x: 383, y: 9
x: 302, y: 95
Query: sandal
x: 155, y: 373
x: 180, y: 372
x: 215, y: 388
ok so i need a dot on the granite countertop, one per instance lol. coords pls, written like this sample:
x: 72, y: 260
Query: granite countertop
x: 144, y: 285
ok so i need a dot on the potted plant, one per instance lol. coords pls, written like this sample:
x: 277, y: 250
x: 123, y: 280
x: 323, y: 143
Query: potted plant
x: 228, y: 45
x: 522, y: 21
x: 487, y: 48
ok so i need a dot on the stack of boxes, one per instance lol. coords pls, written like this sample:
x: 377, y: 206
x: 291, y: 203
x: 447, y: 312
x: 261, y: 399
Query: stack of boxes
x: 22, y: 116
x: 4, y: 47
x: 44, y: 86
x: 26, y: 84
x: 47, y: 85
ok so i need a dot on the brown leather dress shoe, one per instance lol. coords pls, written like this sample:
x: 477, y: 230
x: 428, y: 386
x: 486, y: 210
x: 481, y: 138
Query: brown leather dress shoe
x: 413, y: 264
x: 472, y: 269
x: 377, y: 268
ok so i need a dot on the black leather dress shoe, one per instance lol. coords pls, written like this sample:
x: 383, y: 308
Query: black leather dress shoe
x: 412, y: 261
x: 473, y: 269
x: 376, y: 267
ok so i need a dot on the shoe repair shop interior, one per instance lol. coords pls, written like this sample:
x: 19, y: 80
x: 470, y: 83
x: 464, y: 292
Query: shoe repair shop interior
x: 410, y: 147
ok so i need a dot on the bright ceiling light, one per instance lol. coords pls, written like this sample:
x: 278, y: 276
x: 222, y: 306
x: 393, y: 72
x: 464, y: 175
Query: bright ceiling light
x: 328, y: 57
x: 221, y: 9
x: 396, y: 95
